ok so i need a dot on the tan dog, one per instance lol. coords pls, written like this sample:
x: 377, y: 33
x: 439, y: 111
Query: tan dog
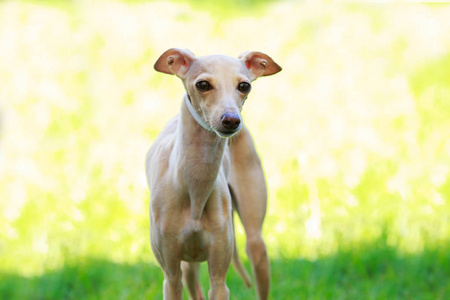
x: 202, y: 164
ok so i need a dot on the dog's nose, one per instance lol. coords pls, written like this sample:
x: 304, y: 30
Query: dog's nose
x: 230, y: 121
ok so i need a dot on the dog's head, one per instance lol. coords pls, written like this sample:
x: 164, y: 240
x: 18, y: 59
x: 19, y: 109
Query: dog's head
x: 217, y: 85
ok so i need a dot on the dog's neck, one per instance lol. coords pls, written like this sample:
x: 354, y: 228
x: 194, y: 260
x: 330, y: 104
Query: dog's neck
x: 200, y: 154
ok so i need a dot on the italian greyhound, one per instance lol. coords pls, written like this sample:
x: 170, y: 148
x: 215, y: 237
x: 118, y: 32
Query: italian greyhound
x: 201, y: 167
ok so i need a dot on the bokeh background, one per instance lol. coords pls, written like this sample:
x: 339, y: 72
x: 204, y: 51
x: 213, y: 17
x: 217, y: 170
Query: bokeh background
x: 353, y: 133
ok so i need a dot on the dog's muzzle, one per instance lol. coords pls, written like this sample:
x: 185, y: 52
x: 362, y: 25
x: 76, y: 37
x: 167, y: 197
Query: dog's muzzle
x: 231, y: 122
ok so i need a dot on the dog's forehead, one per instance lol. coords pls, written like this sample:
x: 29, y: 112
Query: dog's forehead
x: 214, y: 64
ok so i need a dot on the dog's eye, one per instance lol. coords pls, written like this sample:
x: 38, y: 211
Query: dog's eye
x: 244, y: 87
x: 203, y: 86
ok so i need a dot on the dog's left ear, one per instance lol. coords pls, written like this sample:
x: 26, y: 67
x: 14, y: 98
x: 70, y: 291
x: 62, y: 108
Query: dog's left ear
x: 175, y: 62
x: 259, y: 64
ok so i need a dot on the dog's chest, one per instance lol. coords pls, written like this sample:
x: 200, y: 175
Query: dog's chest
x: 195, y: 246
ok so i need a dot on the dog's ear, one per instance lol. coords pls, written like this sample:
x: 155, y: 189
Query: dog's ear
x: 175, y: 62
x: 259, y: 64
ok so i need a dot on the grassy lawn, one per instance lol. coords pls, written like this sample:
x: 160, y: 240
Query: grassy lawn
x: 353, y: 135
x: 374, y: 271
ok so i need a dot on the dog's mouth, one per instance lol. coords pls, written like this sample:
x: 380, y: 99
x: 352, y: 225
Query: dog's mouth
x: 227, y: 133
x: 230, y: 122
x: 229, y: 125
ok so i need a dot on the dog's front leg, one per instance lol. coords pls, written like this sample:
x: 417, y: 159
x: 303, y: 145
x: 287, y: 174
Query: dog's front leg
x: 168, y: 256
x: 218, y: 266
x: 219, y: 259
x: 172, y: 286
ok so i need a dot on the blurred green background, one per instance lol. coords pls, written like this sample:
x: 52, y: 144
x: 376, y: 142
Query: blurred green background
x: 353, y: 133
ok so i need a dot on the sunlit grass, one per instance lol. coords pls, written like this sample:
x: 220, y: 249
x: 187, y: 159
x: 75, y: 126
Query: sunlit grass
x: 353, y: 132
x: 369, y: 271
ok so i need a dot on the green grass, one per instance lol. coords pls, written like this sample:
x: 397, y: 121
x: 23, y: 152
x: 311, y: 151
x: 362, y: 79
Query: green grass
x: 371, y: 271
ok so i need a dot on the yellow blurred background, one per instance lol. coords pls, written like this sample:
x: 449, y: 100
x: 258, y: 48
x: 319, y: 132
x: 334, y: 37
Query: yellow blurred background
x: 353, y: 133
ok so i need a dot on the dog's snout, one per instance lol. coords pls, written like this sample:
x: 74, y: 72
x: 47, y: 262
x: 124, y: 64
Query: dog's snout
x: 231, y: 121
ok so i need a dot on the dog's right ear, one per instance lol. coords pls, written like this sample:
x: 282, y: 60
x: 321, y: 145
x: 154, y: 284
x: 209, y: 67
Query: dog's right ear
x: 175, y: 62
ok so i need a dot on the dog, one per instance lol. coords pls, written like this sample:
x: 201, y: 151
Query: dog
x: 201, y: 167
